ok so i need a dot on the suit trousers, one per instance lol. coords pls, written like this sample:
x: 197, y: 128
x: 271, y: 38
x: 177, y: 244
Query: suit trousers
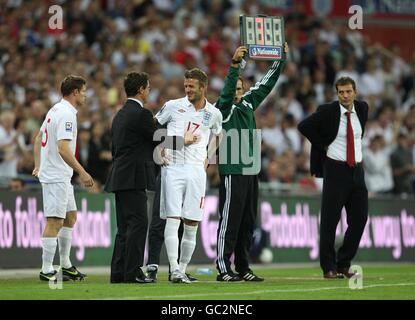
x: 343, y: 186
x: 132, y: 222
x: 156, y: 230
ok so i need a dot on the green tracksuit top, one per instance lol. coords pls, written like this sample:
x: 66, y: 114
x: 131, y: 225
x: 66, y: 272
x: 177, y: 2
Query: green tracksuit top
x: 236, y: 152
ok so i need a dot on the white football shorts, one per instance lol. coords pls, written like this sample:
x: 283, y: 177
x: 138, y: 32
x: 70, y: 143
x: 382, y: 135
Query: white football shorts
x: 58, y: 199
x: 183, y: 190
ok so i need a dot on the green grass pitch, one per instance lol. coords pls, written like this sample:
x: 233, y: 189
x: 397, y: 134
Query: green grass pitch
x: 379, y: 282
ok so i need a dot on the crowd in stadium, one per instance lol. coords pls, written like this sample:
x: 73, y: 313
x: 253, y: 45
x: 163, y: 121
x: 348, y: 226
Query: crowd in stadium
x: 103, y: 40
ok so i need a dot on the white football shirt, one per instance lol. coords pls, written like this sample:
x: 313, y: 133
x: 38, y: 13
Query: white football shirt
x: 180, y: 116
x: 59, y: 124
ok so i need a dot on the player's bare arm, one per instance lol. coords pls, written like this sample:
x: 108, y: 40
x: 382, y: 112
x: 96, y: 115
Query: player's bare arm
x: 66, y: 154
x: 36, y: 151
x: 213, y: 145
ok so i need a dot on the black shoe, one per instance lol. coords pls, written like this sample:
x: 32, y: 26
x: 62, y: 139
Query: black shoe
x: 228, y: 277
x: 116, y: 278
x: 250, y: 276
x: 139, y: 278
x: 345, y: 273
x: 73, y: 273
x: 191, y: 278
x: 116, y: 281
x: 52, y: 276
x: 152, y: 272
x: 331, y: 274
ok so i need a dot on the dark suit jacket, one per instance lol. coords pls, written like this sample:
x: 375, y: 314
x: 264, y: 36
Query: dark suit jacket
x: 321, y: 129
x: 132, y: 149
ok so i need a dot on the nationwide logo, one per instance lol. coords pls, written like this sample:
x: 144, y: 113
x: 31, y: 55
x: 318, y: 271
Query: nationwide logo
x: 265, y: 52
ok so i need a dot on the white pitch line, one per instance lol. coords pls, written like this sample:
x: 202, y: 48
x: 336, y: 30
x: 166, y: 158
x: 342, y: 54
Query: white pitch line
x: 256, y: 292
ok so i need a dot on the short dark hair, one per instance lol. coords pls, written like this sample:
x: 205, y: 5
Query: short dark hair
x: 197, y: 74
x: 71, y: 83
x: 134, y: 81
x: 344, y: 81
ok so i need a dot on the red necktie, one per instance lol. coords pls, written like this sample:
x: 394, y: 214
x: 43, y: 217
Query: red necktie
x: 350, y: 142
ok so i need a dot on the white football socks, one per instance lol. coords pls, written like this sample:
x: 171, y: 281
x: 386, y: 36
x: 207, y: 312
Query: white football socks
x: 187, y: 246
x: 65, y: 243
x: 48, y: 253
x: 171, y: 241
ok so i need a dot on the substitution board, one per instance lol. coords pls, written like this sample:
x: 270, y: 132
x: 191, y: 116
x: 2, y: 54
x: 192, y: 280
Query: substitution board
x: 263, y: 36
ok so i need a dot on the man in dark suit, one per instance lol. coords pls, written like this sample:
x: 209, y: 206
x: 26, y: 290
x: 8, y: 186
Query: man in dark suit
x: 335, y: 131
x: 131, y: 174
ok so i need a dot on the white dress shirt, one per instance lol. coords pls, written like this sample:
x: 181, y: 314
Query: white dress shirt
x: 337, y: 150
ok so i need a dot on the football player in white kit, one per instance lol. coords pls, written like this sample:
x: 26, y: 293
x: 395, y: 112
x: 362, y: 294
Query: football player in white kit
x: 54, y: 152
x: 183, y: 180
